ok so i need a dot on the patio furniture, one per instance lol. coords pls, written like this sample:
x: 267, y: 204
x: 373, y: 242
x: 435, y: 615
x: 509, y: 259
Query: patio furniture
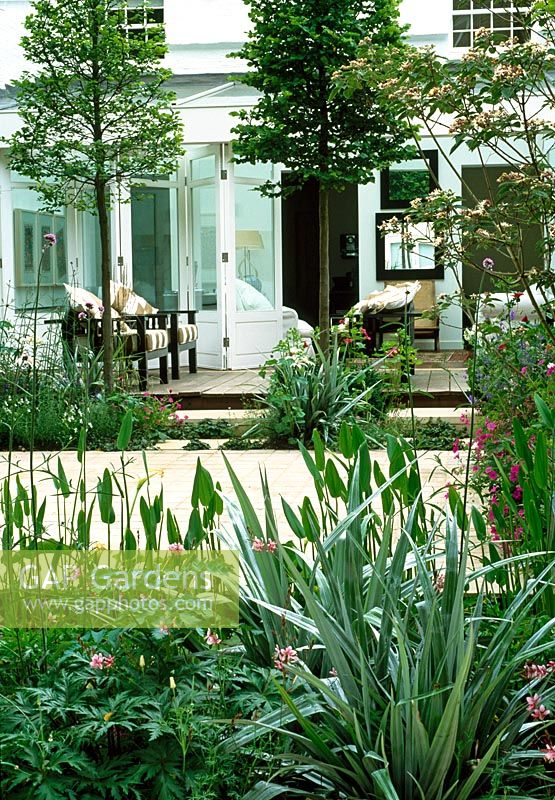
x: 141, y: 331
x: 424, y: 300
x: 387, y: 311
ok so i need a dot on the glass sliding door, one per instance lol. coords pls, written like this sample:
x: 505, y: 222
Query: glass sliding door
x: 257, y: 309
x: 205, y: 253
x: 155, y: 244
x: 233, y: 247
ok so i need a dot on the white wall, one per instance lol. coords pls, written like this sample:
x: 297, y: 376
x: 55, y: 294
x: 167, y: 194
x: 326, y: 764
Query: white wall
x: 12, y: 18
x: 427, y: 17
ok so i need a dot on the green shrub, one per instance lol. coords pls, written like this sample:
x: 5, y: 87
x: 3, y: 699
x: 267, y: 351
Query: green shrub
x: 309, y: 390
x: 75, y: 731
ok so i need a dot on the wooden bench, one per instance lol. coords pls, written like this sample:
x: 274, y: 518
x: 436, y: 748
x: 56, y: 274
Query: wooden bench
x: 141, y: 337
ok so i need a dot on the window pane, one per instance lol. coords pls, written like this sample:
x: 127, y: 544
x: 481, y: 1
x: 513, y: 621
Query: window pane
x: 203, y: 202
x: 481, y: 21
x: 427, y: 256
x: 501, y: 21
x: 254, y: 240
x: 461, y: 22
x: 461, y: 5
x: 155, y: 246
x: 92, y: 266
x: 461, y: 40
x: 50, y: 268
x: 262, y: 171
x: 203, y: 167
x: 482, y: 3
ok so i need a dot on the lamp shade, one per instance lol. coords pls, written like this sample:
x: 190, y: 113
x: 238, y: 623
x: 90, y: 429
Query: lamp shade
x: 252, y: 240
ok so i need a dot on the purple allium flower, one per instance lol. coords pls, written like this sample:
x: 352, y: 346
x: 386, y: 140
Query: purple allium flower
x: 101, y: 309
x: 81, y: 315
x: 50, y: 239
x: 488, y: 263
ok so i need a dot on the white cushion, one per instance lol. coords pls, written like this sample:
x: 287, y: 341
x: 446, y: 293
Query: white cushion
x: 305, y: 329
x: 500, y: 304
x: 390, y: 298
x: 250, y: 299
x: 83, y: 301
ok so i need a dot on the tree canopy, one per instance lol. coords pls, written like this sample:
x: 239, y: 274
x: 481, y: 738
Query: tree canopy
x: 95, y: 112
x: 294, y: 51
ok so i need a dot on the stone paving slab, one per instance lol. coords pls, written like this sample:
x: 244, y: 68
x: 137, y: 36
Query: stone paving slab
x: 174, y: 468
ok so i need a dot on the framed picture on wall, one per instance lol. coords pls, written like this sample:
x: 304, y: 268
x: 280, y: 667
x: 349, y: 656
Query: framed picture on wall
x: 396, y: 261
x: 408, y: 180
x: 30, y: 228
x: 26, y: 251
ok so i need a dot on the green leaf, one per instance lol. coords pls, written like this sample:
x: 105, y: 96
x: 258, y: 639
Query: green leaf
x: 125, y: 431
x: 335, y: 485
x: 541, y: 466
x: 345, y: 441
x: 546, y: 414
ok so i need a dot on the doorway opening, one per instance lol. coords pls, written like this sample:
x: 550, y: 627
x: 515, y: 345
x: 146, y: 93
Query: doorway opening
x: 300, y: 250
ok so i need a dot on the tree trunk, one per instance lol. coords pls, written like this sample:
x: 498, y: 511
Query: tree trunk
x: 107, y: 334
x: 324, y: 302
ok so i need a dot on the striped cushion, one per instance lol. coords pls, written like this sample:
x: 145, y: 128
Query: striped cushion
x: 187, y: 333
x: 126, y: 301
x: 156, y: 340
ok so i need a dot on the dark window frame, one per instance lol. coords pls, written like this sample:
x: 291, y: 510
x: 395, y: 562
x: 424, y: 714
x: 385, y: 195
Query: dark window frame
x: 432, y: 159
x: 382, y: 274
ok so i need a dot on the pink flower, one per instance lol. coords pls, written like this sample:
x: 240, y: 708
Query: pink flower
x: 513, y: 473
x: 533, y: 671
x: 494, y: 535
x: 271, y: 547
x: 99, y: 661
x: 550, y: 369
x: 524, y: 370
x: 491, y: 473
x: 456, y: 444
x: 517, y: 493
x: 258, y: 545
x: 488, y: 263
x: 283, y: 656
x: 49, y: 239
x: 81, y: 315
x: 212, y: 638
x: 491, y: 426
x: 536, y: 707
x: 549, y: 753
x: 464, y: 418
x: 176, y: 547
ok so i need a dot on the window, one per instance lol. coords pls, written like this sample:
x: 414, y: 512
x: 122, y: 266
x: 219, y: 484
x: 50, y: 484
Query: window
x: 408, y: 180
x: 154, y: 224
x: 397, y: 261
x: 30, y: 226
x: 503, y: 17
x: 138, y: 17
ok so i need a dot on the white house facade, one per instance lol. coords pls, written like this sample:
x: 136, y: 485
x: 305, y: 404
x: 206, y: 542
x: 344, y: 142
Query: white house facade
x: 202, y: 238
